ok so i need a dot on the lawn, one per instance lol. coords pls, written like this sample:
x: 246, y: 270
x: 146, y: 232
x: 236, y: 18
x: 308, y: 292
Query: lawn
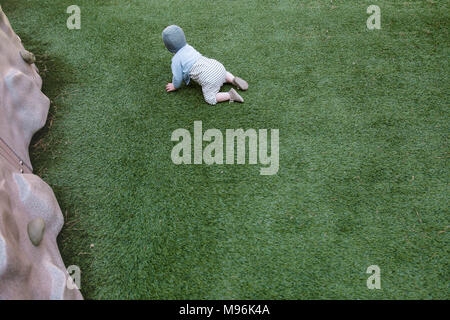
x: 364, y: 154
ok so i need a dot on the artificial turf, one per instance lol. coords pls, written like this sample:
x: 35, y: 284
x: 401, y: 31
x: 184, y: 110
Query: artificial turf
x: 363, y: 120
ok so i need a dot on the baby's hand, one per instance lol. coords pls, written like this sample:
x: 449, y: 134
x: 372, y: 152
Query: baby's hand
x: 170, y: 87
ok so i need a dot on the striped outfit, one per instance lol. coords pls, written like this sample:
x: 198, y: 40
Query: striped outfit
x: 211, y: 75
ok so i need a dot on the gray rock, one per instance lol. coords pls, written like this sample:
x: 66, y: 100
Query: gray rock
x: 36, y: 229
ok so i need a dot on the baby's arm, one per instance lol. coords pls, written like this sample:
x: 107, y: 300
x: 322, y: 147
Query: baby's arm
x: 177, y: 78
x: 170, y: 87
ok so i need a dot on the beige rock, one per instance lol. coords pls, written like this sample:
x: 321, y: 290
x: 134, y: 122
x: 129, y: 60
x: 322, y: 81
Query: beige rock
x: 28, y: 207
x: 27, y: 56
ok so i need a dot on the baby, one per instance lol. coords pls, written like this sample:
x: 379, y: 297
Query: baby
x: 188, y: 63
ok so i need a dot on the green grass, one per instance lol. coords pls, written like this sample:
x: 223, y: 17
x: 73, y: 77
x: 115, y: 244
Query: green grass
x: 363, y: 120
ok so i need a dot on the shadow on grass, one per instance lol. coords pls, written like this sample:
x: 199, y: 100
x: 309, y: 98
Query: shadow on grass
x: 56, y: 75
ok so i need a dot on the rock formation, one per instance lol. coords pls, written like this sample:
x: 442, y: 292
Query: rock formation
x: 31, y: 266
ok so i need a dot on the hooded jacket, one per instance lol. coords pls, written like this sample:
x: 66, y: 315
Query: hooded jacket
x: 174, y: 38
x: 185, y: 55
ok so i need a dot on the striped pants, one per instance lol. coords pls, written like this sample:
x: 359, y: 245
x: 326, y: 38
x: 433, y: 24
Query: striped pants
x: 211, y: 75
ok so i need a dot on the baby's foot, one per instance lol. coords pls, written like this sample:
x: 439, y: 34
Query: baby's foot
x: 240, y: 83
x: 234, y: 96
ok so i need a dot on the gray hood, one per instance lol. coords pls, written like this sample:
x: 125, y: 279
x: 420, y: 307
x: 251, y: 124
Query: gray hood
x: 173, y: 37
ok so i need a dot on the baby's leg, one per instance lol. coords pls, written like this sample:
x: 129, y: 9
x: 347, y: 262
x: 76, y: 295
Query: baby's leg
x: 238, y: 82
x: 222, y: 96
x: 213, y: 96
x: 230, y: 95
x: 229, y: 77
